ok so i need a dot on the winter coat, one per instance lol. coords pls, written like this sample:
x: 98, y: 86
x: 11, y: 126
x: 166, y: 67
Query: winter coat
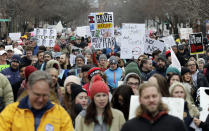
x: 113, y: 76
x: 163, y: 123
x: 6, y: 94
x: 201, y: 81
x: 117, y: 122
x: 19, y: 117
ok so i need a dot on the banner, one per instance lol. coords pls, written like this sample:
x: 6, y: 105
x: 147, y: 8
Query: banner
x: 46, y: 37
x: 83, y: 31
x: 184, y: 33
x: 152, y: 45
x: 175, y: 105
x: 102, y: 30
x: 15, y: 36
x: 132, y: 41
x: 196, y: 43
x: 204, y: 103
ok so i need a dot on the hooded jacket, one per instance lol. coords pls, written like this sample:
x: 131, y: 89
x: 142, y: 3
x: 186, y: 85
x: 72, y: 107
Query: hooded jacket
x: 19, y: 117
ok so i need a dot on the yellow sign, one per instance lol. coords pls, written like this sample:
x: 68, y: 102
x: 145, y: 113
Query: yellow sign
x: 104, y: 26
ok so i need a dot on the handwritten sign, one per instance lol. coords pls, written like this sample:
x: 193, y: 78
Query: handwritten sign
x: 196, y: 43
x: 15, y: 36
x: 83, y: 31
x: 102, y: 30
x: 184, y: 33
x: 169, y: 41
x: 175, y: 105
x: 46, y: 37
x: 152, y: 45
x: 132, y: 40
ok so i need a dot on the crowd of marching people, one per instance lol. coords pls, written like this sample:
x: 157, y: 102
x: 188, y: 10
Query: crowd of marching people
x: 73, y: 86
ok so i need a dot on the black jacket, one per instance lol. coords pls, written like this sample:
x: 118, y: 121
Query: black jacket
x: 201, y: 81
x: 164, y: 123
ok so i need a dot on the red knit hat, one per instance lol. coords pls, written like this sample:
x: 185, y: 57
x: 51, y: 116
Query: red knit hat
x: 168, y: 53
x: 56, y: 48
x: 98, y: 86
x: 93, y: 71
x: 28, y: 70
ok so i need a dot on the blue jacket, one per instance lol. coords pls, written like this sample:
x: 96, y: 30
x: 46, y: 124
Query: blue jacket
x: 12, y: 75
x: 113, y: 76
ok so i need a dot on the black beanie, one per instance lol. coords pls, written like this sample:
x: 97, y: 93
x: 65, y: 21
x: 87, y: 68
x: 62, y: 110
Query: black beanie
x: 184, y: 70
x: 75, y: 90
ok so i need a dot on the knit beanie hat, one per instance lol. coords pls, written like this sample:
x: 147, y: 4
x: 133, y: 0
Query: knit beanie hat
x: 28, y: 70
x: 93, y: 71
x: 16, y: 58
x: 161, y: 57
x: 132, y: 68
x: 87, y: 51
x: 98, y: 86
x: 184, y: 70
x: 73, y: 79
x: 102, y: 56
x: 173, y: 70
x: 167, y: 54
x: 48, y: 53
x: 75, y: 90
x: 56, y: 48
x: 113, y: 60
x: 80, y: 56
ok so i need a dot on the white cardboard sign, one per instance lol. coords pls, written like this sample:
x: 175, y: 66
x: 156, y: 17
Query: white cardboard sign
x: 175, y: 105
x: 132, y: 41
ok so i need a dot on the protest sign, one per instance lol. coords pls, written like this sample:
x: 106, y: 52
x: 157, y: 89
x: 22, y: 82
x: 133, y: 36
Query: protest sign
x: 15, y: 36
x: 151, y: 45
x: 46, y: 37
x: 184, y: 33
x: 102, y: 30
x: 196, y: 43
x: 58, y: 27
x: 204, y: 102
x: 83, y: 31
x: 175, y: 105
x: 132, y: 40
x: 174, y: 61
x: 169, y: 41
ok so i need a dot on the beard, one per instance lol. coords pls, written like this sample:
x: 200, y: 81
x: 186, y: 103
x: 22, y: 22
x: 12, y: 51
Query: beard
x: 152, y: 112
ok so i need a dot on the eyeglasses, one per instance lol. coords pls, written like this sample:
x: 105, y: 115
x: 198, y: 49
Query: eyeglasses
x: 133, y: 84
x: 192, y: 65
x: 45, y: 96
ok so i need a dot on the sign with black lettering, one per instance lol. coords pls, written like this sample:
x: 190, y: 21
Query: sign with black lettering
x: 132, y: 40
x: 102, y: 30
x: 152, y: 45
x: 45, y: 37
x: 196, y: 43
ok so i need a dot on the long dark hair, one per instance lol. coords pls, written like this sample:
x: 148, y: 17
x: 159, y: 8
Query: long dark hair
x: 91, y: 114
x: 70, y: 106
x: 125, y: 92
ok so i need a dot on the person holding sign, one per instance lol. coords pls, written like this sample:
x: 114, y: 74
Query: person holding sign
x: 203, y: 125
x: 178, y: 90
x: 152, y: 114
